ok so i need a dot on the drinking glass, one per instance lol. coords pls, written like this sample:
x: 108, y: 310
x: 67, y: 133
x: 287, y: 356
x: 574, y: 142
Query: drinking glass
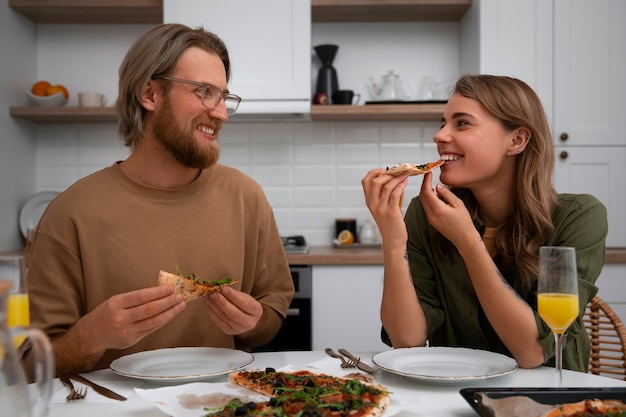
x: 557, y: 295
x: 13, y: 269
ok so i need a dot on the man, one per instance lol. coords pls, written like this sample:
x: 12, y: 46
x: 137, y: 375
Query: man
x: 169, y: 206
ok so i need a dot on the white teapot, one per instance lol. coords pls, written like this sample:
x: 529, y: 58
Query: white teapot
x: 391, y: 88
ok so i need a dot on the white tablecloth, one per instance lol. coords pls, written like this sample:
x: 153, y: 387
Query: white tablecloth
x: 417, y: 398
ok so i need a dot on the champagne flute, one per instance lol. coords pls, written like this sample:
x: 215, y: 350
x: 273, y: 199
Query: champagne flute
x: 557, y: 295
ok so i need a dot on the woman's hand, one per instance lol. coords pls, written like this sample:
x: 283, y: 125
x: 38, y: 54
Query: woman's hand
x: 447, y: 213
x: 383, y: 194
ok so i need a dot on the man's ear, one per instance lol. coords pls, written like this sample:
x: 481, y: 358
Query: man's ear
x: 150, y: 95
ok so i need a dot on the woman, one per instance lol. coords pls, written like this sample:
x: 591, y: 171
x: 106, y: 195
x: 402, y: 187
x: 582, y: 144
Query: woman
x: 461, y: 269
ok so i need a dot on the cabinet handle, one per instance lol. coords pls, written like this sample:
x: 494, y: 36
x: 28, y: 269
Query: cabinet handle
x: 563, y: 155
x: 564, y: 136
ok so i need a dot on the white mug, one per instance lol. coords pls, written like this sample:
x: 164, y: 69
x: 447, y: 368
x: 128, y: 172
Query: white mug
x: 91, y: 99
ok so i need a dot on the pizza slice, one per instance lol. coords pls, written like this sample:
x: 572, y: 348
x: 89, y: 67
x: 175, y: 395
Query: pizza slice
x: 413, y: 169
x: 191, y: 287
x: 588, y: 408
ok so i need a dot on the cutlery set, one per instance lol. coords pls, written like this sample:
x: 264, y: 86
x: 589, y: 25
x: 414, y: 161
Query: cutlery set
x: 348, y: 360
x: 82, y: 393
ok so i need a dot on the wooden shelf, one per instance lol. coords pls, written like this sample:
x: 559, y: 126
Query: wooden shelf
x: 388, y: 10
x: 65, y: 114
x: 377, y: 112
x: 151, y: 11
x: 90, y: 11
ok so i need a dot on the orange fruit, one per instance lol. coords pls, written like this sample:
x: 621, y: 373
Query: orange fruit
x: 39, y: 88
x: 53, y: 89
x: 345, y: 237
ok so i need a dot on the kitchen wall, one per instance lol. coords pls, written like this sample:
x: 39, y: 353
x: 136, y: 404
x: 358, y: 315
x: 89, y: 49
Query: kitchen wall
x: 310, y: 171
x: 17, y: 143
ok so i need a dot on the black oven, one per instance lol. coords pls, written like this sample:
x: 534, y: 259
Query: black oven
x: 295, y: 333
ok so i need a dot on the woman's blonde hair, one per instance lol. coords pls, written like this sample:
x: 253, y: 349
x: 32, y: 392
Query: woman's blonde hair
x: 156, y: 53
x: 516, y: 105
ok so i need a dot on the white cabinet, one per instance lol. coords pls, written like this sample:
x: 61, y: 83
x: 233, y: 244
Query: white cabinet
x: 589, y: 71
x: 269, y: 43
x: 346, y: 307
x: 601, y: 172
x: 590, y: 104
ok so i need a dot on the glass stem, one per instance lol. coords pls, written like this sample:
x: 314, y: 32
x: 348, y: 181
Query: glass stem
x: 558, y: 358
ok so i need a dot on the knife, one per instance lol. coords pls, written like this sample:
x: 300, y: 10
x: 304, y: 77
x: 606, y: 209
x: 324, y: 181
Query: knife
x: 98, y: 388
x: 362, y: 366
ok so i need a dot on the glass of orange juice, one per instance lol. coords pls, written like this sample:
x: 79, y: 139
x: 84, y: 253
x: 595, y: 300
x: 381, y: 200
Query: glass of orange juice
x: 13, y: 269
x: 557, y: 295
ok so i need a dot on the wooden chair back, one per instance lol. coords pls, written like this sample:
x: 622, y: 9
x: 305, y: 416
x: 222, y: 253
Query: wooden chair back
x: 608, y: 340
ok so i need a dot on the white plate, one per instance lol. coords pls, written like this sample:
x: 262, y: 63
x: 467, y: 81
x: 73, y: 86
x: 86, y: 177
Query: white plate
x: 444, y: 364
x: 185, y: 364
x: 32, y: 210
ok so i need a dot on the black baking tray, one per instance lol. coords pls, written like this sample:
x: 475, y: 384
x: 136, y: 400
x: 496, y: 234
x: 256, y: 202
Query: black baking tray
x: 542, y: 395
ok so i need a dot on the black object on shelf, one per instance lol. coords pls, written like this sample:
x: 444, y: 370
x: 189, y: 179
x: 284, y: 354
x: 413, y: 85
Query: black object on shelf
x: 327, y: 82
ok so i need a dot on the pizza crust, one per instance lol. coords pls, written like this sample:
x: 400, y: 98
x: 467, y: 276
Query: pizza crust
x: 188, y: 288
x: 413, y: 169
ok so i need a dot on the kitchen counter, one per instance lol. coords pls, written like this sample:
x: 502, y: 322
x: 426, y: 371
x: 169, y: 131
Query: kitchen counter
x: 329, y: 255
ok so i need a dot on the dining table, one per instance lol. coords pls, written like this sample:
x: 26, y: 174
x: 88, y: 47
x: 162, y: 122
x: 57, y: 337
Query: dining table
x: 409, y: 396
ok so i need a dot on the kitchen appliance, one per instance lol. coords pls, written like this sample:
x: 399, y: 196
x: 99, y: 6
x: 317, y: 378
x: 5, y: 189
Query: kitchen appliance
x: 327, y: 81
x: 295, y: 244
x: 296, y: 331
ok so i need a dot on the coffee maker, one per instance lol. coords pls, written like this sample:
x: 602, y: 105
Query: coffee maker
x: 327, y: 82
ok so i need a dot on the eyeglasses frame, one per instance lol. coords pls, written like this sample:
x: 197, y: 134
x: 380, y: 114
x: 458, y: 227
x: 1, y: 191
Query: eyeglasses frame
x: 233, y: 98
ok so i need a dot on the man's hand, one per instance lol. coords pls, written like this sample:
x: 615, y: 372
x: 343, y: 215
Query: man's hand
x: 233, y: 311
x: 120, y: 322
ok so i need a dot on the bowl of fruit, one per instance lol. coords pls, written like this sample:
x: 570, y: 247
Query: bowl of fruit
x: 44, y: 94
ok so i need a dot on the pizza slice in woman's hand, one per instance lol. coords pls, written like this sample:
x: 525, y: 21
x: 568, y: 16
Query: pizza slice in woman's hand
x: 413, y: 169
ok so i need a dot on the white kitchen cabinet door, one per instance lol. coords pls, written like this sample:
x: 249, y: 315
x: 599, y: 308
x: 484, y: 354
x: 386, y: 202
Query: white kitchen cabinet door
x: 601, y: 172
x: 612, y: 288
x: 590, y: 71
x: 346, y: 307
x: 269, y: 43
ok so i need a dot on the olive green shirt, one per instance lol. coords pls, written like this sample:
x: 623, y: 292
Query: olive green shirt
x: 453, y: 312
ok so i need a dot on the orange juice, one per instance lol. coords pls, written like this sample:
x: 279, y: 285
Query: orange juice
x: 18, y: 314
x: 557, y: 310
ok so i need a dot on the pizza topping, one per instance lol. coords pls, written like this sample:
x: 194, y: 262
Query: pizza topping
x: 196, y: 278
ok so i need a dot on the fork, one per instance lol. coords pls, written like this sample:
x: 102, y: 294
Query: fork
x: 349, y: 363
x: 74, y: 393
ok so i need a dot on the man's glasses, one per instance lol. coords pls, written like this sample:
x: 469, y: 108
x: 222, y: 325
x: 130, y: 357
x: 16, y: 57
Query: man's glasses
x: 209, y: 94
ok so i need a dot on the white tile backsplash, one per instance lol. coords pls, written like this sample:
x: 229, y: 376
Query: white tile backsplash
x: 311, y: 172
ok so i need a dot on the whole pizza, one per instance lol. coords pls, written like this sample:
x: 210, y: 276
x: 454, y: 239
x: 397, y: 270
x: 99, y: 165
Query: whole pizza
x: 305, y: 393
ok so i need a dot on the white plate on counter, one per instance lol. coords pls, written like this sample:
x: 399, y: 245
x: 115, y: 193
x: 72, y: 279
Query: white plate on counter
x: 184, y: 364
x: 31, y: 211
x: 444, y: 365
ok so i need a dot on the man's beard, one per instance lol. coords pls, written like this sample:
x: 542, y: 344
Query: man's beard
x: 183, y: 145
